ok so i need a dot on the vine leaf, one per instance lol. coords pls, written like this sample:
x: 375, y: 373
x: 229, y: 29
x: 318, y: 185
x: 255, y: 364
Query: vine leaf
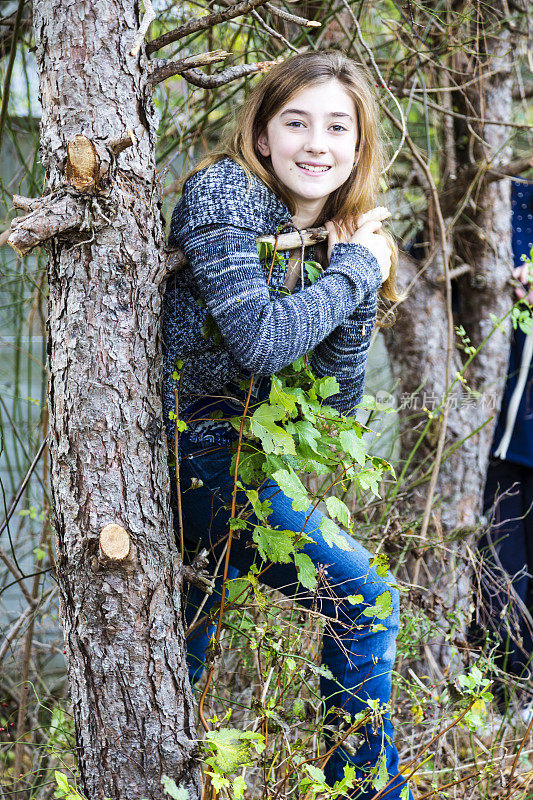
x: 273, y: 437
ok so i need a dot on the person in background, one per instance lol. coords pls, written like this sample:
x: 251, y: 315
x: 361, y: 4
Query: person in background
x: 505, y: 582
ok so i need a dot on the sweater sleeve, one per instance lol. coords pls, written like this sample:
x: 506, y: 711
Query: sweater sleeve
x: 343, y: 355
x: 265, y: 334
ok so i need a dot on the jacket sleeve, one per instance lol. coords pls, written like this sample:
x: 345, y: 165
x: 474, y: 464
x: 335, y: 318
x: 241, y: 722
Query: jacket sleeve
x: 265, y: 334
x: 343, y: 355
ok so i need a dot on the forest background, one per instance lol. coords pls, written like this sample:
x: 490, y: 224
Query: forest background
x: 453, y: 82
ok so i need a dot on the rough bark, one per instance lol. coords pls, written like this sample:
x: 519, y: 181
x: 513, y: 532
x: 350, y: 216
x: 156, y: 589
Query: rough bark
x: 122, y: 618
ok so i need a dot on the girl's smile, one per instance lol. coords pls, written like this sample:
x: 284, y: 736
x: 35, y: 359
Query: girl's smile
x: 311, y: 142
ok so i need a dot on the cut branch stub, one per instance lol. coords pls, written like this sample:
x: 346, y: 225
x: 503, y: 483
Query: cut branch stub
x: 83, y: 164
x: 115, y: 542
x: 53, y: 215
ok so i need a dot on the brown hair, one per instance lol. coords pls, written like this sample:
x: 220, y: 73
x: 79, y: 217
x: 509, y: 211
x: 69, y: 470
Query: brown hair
x: 360, y: 191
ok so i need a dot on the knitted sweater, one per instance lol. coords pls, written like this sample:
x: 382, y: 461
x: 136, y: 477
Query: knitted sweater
x: 216, y: 223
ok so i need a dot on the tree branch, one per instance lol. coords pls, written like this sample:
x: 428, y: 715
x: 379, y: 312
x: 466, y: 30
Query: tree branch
x: 164, y: 69
x: 286, y: 241
x: 198, y: 78
x: 202, y: 23
x: 54, y: 215
x: 282, y: 14
x: 513, y: 168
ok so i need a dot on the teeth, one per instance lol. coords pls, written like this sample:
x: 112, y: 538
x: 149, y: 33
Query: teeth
x: 311, y: 168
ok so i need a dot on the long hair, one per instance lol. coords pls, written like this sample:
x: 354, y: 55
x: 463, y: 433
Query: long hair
x: 280, y: 84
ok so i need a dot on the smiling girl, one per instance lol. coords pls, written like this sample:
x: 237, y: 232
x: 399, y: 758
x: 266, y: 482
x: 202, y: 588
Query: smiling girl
x: 303, y: 152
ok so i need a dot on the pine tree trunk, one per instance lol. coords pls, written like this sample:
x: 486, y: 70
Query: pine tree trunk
x: 120, y: 589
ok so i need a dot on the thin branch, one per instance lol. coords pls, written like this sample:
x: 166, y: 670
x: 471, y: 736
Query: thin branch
x: 273, y: 32
x: 9, y: 70
x: 164, y: 69
x: 22, y: 487
x: 282, y: 14
x: 149, y: 16
x: 198, y: 78
x: 202, y: 23
x: 506, y: 170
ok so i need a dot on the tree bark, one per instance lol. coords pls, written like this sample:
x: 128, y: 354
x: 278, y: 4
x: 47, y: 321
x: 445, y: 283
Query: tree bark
x: 122, y: 616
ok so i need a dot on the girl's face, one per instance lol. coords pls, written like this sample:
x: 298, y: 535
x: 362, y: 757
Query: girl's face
x: 311, y: 143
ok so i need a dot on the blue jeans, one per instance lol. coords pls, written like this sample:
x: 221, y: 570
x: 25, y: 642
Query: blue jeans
x: 359, y: 658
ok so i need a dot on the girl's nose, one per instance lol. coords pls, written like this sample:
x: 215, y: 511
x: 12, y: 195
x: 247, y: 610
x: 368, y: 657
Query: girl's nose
x: 315, y: 142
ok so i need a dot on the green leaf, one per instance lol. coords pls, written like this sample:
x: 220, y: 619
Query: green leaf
x: 355, y: 599
x: 181, y: 425
x: 353, y: 445
x: 326, y: 387
x: 315, y: 773
x: 381, y: 563
x: 306, y: 571
x: 273, y: 437
x: 383, y: 776
x: 232, y: 748
x: 279, y: 397
x: 62, y: 781
x: 274, y: 545
x: 332, y: 534
x: 237, y: 589
x: 261, y: 509
x: 382, y: 608
x: 313, y: 269
x: 336, y: 508
x: 291, y: 485
x: 239, y: 785
x: 172, y: 789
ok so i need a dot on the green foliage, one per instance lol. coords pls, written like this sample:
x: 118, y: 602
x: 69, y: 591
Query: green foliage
x: 228, y: 749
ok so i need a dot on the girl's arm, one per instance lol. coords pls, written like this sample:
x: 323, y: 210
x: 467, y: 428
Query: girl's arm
x: 343, y: 355
x: 266, y: 334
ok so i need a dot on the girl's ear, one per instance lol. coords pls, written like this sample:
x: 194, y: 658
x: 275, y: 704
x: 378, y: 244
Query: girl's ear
x: 262, y: 144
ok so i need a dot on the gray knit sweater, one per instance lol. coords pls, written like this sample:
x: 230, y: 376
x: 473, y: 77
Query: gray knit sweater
x: 216, y: 223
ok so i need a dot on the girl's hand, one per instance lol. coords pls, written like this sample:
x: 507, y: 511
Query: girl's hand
x: 522, y: 274
x: 368, y: 235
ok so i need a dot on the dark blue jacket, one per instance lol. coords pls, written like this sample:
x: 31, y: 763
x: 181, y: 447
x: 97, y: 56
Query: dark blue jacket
x: 520, y: 448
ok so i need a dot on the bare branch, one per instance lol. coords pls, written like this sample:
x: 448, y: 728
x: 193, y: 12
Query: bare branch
x: 286, y: 241
x: 202, y: 23
x: 149, y: 16
x: 27, y: 204
x: 55, y: 215
x: 198, y: 78
x: 122, y: 142
x: 513, y: 168
x: 280, y: 12
x: 164, y: 69
x: 273, y: 32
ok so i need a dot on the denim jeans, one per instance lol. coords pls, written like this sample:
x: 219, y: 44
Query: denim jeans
x: 359, y: 658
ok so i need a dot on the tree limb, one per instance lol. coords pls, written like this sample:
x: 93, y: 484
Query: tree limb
x: 513, y: 168
x: 198, y: 78
x: 202, y: 23
x: 164, y: 68
x: 282, y: 14
x: 54, y: 215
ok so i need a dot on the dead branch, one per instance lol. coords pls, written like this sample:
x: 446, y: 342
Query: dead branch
x: 198, y: 78
x: 282, y: 14
x: 55, y: 215
x: 149, y: 16
x: 513, y: 168
x: 286, y: 241
x: 123, y: 142
x: 202, y: 23
x: 164, y: 69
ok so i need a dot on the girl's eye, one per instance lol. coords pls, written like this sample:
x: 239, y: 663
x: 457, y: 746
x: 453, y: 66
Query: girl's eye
x: 338, y: 127
x: 294, y: 123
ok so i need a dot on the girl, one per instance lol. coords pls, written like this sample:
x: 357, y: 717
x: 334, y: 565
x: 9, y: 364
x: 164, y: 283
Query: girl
x: 304, y: 152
